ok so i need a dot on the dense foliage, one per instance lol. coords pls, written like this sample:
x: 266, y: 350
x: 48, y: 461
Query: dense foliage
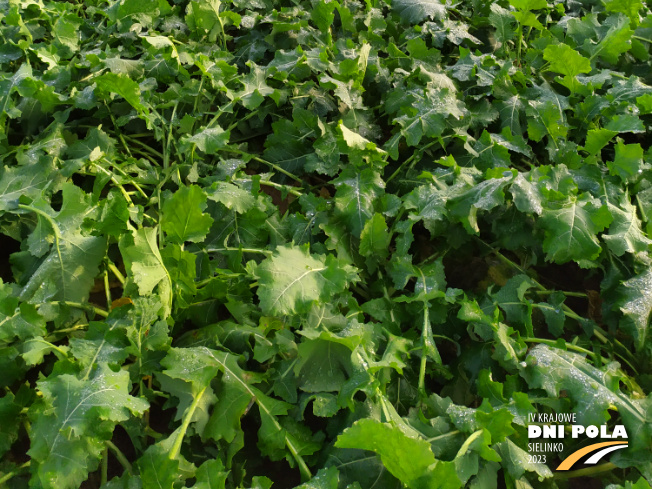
x: 340, y: 244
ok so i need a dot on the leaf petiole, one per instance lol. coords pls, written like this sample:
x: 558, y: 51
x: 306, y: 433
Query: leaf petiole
x: 176, y: 447
x: 13, y: 473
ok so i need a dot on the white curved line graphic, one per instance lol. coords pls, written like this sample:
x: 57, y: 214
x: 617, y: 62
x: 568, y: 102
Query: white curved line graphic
x: 595, y: 458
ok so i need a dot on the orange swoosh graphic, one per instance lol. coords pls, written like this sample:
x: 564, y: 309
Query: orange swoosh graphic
x: 575, y: 456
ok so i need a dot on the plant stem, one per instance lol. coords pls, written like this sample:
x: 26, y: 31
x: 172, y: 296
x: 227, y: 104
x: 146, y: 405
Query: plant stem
x: 176, y: 447
x: 278, y: 169
x: 286, y: 188
x: 86, y: 307
x: 117, y: 129
x: 120, y: 456
x: 146, y: 147
x: 53, y: 225
x: 107, y: 289
x: 115, y: 182
x: 116, y: 273
x: 424, y: 350
x: 105, y: 466
x: 638, y: 38
x: 303, y: 468
x: 243, y: 250
x: 450, y: 433
x: 567, y: 294
x: 52, y: 336
x: 569, y: 346
x: 166, y: 152
x: 14, y: 472
x: 268, y: 163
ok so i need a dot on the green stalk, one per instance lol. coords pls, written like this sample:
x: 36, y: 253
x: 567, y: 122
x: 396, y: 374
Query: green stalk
x: 86, y: 307
x: 53, y: 225
x: 11, y: 474
x: 107, y: 289
x: 467, y: 443
x: 569, y: 346
x: 117, y: 130
x: 286, y: 188
x: 176, y: 447
x: 520, y: 41
x: 424, y: 350
x: 244, y: 250
x: 115, y: 182
x: 278, y: 169
x: 438, y: 437
x: 145, y: 147
x: 120, y: 456
x: 105, y: 466
x: 116, y: 273
x: 166, y: 152
x: 131, y: 181
x: 51, y: 345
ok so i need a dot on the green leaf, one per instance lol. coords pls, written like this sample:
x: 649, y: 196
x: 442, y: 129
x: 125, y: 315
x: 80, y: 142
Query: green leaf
x: 565, y: 60
x: 415, y: 11
x: 527, y: 197
x: 427, y: 114
x: 408, y: 459
x: 143, y: 11
x: 122, y: 86
x: 428, y: 202
x: 628, y: 161
x: 27, y: 180
x: 517, y: 461
x: 232, y: 196
x: 18, y: 320
x: 526, y: 5
x: 209, y: 140
x: 211, y: 475
x: 610, y: 39
x: 69, y: 267
x: 72, y: 422
x: 145, y: 264
x: 503, y: 21
x: 636, y: 305
x: 102, y: 344
x: 596, y: 139
x: 592, y: 390
x: 66, y: 31
x: 485, y: 195
x: 626, y: 123
x: 355, y: 196
x: 157, y: 468
x: 322, y: 366
x: 375, y: 240
x: 324, y: 479
x: 255, y: 87
x: 625, y: 233
x: 571, y: 229
x: 630, y: 8
x: 224, y: 423
x: 182, y: 218
x: 9, y: 414
x: 292, y: 279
